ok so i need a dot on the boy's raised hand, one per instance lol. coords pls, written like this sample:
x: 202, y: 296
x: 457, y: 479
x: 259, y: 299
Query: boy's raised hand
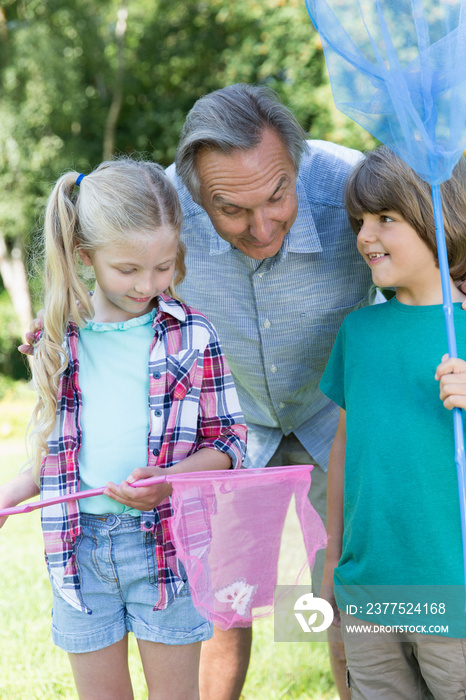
x: 451, y: 373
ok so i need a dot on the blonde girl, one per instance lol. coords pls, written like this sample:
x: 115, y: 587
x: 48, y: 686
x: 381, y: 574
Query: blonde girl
x: 130, y: 382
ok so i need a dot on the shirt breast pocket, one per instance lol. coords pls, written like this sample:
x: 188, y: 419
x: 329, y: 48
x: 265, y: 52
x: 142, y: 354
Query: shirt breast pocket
x: 185, y: 369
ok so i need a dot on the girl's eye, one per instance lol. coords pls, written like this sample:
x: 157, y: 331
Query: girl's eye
x: 126, y: 272
x: 163, y: 269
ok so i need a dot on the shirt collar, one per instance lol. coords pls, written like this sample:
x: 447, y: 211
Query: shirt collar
x: 301, y: 238
x: 172, y: 307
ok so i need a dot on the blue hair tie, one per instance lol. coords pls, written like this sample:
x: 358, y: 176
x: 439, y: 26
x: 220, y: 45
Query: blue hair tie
x: 78, y: 181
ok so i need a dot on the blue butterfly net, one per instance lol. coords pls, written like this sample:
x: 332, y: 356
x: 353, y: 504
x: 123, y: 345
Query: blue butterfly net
x: 398, y: 68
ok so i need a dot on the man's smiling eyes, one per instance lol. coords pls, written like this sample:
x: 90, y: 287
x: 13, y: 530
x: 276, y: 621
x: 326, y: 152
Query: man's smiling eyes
x: 233, y: 211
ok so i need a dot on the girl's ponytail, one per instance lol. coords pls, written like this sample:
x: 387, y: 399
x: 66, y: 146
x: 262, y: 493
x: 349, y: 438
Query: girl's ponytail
x: 66, y: 297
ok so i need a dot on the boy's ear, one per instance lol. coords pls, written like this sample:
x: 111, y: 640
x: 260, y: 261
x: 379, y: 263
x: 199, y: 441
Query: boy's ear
x: 85, y: 257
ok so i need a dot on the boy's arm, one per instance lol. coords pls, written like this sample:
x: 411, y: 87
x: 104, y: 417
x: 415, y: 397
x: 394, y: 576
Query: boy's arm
x: 19, y: 489
x: 335, y: 491
x: 451, y: 374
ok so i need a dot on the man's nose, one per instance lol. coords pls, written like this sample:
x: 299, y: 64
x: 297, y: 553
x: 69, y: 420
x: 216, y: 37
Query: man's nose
x: 261, y: 226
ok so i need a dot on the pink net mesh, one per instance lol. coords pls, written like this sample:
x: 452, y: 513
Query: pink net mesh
x: 230, y: 533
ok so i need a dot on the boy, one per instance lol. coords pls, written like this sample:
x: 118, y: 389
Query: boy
x: 394, y: 556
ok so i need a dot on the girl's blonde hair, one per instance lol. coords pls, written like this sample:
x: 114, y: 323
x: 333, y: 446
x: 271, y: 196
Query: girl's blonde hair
x: 117, y: 200
x: 384, y: 182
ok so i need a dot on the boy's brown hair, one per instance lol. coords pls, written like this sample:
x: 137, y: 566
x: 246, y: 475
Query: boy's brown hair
x: 384, y: 182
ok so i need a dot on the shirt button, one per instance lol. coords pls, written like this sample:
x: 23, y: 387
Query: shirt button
x: 148, y: 524
x: 260, y: 274
x: 273, y: 368
x: 267, y: 323
x: 156, y: 375
x: 155, y: 452
x: 158, y: 413
x: 281, y: 405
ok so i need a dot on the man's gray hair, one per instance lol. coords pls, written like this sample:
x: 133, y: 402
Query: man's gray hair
x: 234, y: 118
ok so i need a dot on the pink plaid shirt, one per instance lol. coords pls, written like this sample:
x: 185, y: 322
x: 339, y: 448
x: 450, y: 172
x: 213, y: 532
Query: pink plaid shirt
x: 193, y: 404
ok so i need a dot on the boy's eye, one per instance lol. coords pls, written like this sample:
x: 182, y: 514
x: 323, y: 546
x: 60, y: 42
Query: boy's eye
x: 386, y: 219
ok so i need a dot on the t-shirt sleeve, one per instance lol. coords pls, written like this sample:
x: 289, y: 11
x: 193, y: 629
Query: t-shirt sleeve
x: 332, y: 383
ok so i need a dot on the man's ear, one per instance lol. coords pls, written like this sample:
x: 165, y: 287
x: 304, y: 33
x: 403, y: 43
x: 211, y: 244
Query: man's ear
x: 85, y: 257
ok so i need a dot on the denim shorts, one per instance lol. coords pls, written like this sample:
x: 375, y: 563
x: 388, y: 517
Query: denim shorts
x: 118, y: 576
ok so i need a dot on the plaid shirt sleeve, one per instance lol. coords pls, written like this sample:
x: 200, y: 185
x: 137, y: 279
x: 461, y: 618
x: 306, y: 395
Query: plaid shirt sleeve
x: 220, y: 423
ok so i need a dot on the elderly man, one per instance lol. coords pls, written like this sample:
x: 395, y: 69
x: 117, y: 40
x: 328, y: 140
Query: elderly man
x: 273, y: 263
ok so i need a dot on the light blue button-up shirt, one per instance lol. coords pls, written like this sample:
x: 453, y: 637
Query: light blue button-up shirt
x: 278, y: 318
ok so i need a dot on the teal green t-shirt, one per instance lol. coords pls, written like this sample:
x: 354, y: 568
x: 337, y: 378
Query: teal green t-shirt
x: 114, y: 381
x: 401, y: 506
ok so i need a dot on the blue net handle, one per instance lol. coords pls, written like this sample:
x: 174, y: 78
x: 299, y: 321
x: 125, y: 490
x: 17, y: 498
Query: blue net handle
x: 460, y: 458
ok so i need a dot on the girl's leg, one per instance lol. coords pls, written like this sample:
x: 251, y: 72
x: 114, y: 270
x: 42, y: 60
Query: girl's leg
x: 171, y: 671
x: 103, y: 674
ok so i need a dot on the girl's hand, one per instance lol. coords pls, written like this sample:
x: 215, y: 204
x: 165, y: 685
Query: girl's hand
x: 19, y: 489
x: 142, y: 497
x: 27, y: 348
x: 451, y: 374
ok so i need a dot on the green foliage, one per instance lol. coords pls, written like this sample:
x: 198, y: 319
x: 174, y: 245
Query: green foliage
x: 13, y: 366
x: 60, y: 69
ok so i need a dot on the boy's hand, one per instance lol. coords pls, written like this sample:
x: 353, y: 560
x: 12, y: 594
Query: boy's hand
x: 37, y: 324
x: 451, y: 374
x: 142, y: 497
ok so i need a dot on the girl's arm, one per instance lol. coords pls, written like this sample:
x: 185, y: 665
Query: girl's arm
x: 19, y: 489
x: 451, y: 374
x: 335, y: 491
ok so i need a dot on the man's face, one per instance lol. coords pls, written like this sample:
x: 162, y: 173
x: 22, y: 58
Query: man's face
x: 250, y: 196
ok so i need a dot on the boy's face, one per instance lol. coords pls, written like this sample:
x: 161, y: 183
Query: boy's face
x: 399, y: 258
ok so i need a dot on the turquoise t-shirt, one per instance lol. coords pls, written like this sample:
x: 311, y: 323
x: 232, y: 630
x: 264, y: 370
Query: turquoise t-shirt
x: 114, y: 381
x: 401, y: 506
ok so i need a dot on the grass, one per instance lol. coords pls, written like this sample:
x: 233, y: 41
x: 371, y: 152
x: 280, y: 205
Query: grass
x: 32, y: 668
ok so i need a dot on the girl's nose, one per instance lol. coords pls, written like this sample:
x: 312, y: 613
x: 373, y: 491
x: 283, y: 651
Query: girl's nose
x: 144, y: 285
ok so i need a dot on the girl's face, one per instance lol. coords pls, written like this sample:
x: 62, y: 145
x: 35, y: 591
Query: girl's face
x: 399, y: 258
x: 129, y: 277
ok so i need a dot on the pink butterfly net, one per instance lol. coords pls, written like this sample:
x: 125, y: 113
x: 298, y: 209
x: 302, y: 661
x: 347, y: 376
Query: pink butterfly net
x: 233, y: 571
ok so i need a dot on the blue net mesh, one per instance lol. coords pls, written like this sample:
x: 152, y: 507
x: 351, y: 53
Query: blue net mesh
x: 398, y: 68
